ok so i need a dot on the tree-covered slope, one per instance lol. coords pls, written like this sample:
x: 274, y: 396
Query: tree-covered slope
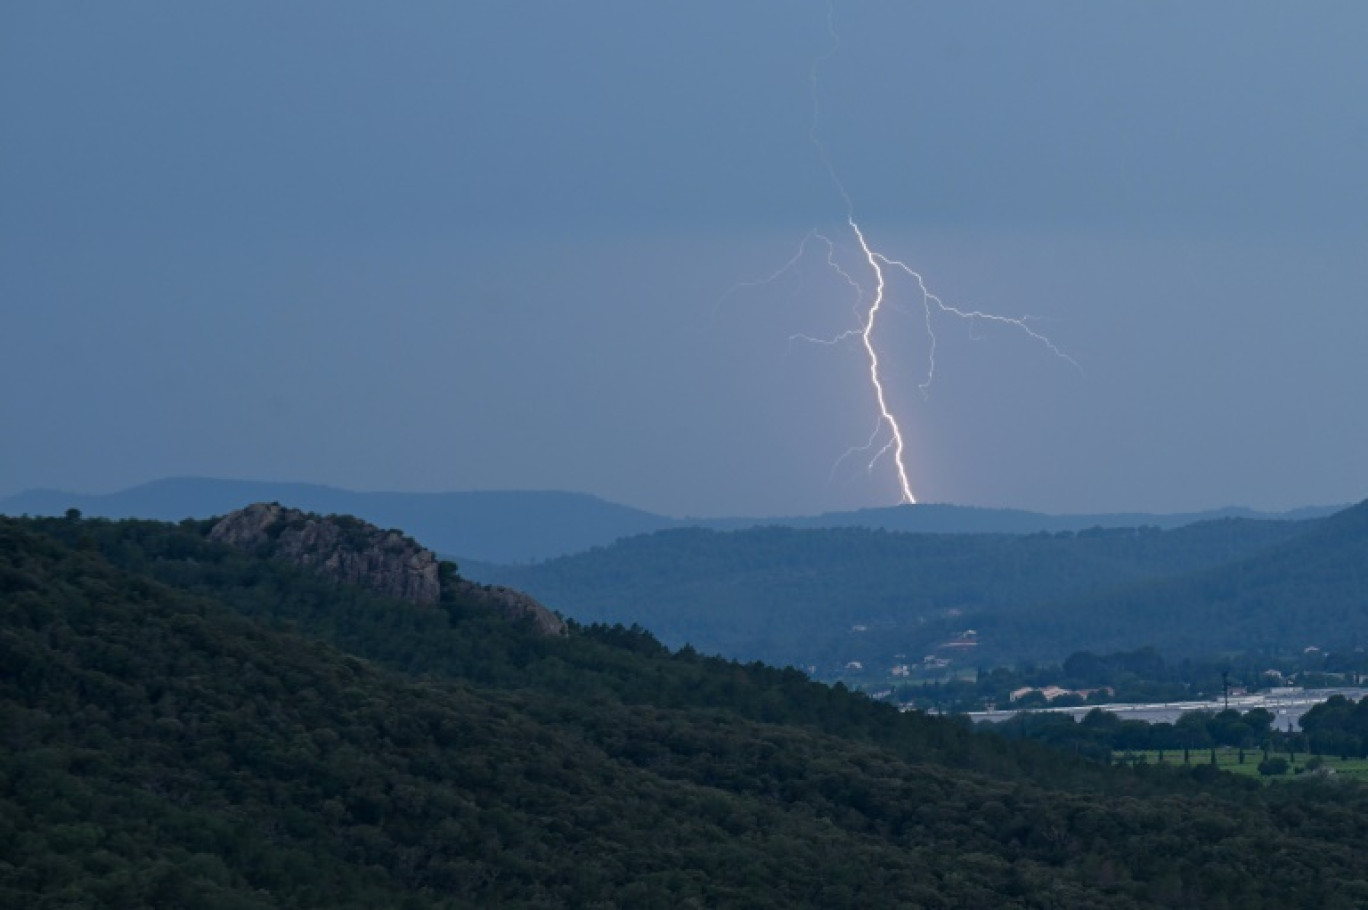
x: 188, y: 725
x: 827, y: 597
x: 1311, y: 590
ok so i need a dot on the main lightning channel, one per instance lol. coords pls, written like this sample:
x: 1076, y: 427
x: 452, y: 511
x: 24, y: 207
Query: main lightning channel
x: 877, y: 262
x: 868, y: 306
x: 885, y: 413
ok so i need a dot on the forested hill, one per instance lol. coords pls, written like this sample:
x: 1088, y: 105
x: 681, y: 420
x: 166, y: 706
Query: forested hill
x: 824, y: 598
x: 1310, y: 591
x: 189, y: 724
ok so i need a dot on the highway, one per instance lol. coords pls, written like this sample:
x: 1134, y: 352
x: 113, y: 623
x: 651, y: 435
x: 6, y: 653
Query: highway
x: 1287, y: 705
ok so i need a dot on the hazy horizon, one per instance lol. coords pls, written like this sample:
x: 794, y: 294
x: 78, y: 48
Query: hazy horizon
x: 669, y: 515
x: 535, y: 246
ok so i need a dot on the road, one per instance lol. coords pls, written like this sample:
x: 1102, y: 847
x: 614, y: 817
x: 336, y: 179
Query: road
x: 1287, y: 705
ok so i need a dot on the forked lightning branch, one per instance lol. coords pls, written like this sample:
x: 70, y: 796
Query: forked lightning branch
x: 872, y: 293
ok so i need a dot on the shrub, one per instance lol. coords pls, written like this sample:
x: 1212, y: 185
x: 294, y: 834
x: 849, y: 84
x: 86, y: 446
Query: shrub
x: 1271, y: 767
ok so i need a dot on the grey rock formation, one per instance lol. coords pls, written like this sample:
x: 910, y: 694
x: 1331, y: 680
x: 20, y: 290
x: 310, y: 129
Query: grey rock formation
x: 356, y: 552
x: 512, y: 603
x: 341, y: 547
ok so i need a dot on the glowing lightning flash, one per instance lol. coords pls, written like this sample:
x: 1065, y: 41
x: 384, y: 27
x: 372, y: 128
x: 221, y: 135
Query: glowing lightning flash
x: 885, y: 415
x: 877, y: 261
x: 868, y: 306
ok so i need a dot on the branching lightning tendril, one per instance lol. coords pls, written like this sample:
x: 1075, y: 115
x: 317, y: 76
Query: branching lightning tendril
x: 869, y: 303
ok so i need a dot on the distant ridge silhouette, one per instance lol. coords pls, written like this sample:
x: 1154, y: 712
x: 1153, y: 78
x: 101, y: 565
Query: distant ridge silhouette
x: 516, y: 526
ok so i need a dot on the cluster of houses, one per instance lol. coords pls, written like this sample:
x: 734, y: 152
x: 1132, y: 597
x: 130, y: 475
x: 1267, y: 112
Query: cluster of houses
x: 1050, y: 693
x: 945, y: 654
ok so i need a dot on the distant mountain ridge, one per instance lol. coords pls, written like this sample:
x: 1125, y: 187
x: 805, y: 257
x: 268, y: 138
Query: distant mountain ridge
x: 528, y: 526
x: 509, y: 527
x: 839, y: 598
x: 941, y: 518
x: 829, y: 597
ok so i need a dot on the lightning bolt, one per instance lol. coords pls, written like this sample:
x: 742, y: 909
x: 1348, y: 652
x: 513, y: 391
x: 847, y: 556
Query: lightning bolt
x: 868, y: 305
x: 866, y: 337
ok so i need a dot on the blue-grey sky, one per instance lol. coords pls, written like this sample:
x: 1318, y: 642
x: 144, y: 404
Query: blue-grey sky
x: 488, y: 245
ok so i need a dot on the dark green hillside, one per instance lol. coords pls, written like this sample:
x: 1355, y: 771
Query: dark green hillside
x: 183, y: 726
x: 794, y: 596
x: 1310, y: 590
x: 463, y: 641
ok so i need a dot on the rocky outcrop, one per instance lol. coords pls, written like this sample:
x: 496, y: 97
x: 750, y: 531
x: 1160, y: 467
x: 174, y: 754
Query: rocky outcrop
x: 342, y: 547
x: 512, y: 603
x: 357, y: 552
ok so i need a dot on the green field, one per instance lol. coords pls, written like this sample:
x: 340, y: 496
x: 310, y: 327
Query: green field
x: 1228, y: 759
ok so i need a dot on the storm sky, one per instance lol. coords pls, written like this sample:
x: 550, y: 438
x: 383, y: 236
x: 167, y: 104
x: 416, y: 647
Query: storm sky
x: 525, y: 245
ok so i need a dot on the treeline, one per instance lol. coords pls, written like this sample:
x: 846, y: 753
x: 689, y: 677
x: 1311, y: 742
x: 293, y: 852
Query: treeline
x: 188, y: 725
x: 1104, y: 736
x: 1337, y: 727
